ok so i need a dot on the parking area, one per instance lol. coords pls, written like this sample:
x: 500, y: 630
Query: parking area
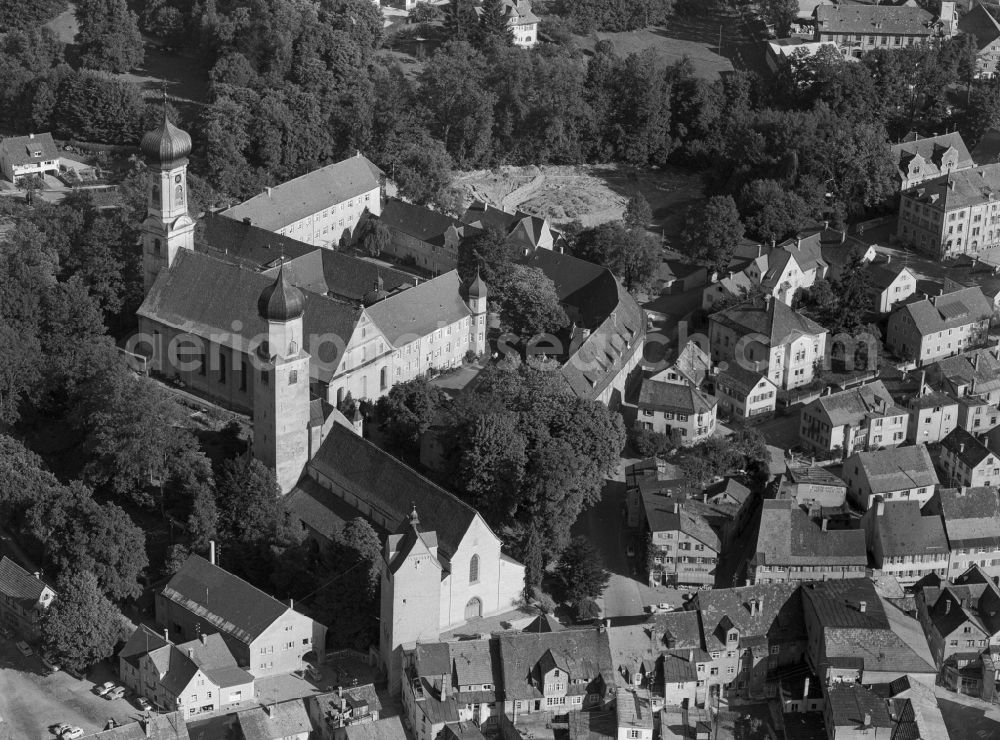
x: 32, y: 703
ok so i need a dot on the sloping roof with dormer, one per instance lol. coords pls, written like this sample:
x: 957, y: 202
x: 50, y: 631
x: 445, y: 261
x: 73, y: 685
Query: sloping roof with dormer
x: 930, y: 149
x: 772, y: 319
x: 899, y: 20
x: 585, y: 654
x: 223, y: 600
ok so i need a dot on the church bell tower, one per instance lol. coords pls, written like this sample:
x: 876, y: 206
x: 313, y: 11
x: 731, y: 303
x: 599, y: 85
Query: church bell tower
x: 168, y: 227
x: 281, y: 388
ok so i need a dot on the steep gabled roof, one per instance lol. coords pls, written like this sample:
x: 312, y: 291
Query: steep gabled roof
x: 390, y: 487
x: 896, y: 469
x: 930, y: 148
x: 981, y: 24
x: 18, y: 584
x: 21, y: 150
x: 210, y: 298
x: 788, y: 536
x: 855, y: 404
x: 888, y: 19
x: 904, y: 531
x: 947, y: 311
x: 971, y: 516
x: 772, y: 611
x: 585, y: 653
x: 678, y: 398
x: 418, y: 311
x: 771, y: 318
x: 967, y: 448
x: 302, y: 196
x: 222, y: 600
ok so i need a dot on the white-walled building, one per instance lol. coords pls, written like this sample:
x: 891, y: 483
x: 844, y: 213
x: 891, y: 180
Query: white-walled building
x: 319, y: 207
x: 900, y: 474
x: 770, y: 337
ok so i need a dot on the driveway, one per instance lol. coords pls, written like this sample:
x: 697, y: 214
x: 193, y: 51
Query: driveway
x: 31, y: 702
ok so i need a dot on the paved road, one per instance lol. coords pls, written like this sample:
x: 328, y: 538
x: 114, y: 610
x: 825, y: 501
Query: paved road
x: 604, y: 525
x: 30, y: 702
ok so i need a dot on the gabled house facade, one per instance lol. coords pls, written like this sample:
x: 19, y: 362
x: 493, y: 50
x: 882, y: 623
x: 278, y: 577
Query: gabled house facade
x: 960, y: 616
x: 971, y: 518
x: 904, y: 543
x: 27, y: 156
x: 967, y: 461
x: 745, y: 394
x: 918, y: 159
x: 939, y: 326
x: 770, y: 337
x: 862, y: 418
x: 900, y: 474
x: 265, y: 636
x: 24, y: 597
x: 196, y: 678
x: 680, y: 411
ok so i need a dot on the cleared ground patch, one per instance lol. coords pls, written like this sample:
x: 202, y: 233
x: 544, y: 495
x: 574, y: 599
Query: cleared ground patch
x: 593, y: 194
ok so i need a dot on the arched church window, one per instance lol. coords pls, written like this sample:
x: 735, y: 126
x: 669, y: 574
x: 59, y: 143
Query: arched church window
x: 474, y: 569
x: 293, y: 348
x: 156, y: 246
x: 179, y: 194
x: 293, y: 377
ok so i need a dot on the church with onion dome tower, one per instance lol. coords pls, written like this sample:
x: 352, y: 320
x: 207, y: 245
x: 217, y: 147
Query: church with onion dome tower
x: 282, y: 331
x: 168, y: 227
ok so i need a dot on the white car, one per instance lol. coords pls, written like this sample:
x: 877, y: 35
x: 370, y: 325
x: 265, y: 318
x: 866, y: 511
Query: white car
x: 118, y: 692
x: 104, y: 688
x: 25, y: 649
x: 72, y: 733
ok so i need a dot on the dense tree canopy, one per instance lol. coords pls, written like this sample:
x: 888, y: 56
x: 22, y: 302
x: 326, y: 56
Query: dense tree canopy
x: 77, y: 532
x: 712, y: 231
x: 408, y: 410
x: 633, y: 254
x: 82, y: 626
x: 531, y: 456
x: 109, y: 36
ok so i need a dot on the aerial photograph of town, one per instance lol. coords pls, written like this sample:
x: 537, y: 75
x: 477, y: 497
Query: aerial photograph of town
x: 500, y: 369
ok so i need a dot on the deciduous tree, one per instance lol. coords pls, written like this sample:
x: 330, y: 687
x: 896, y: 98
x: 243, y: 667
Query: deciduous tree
x: 82, y: 626
x: 581, y: 571
x: 408, y: 410
x: 713, y: 230
x: 109, y: 35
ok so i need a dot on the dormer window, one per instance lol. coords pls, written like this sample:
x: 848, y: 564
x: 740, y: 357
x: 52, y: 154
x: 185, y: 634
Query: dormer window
x: 36, y: 154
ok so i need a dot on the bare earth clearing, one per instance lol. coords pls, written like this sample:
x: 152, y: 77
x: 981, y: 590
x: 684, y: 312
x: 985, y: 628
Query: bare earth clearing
x: 594, y: 194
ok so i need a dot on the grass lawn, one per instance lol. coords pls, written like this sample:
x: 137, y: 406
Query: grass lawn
x: 708, y: 63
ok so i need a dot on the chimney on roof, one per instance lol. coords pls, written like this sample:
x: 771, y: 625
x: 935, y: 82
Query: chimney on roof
x: 826, y: 225
x: 863, y: 606
x: 923, y: 376
x: 607, y: 623
x: 947, y: 606
x: 690, y: 656
x: 340, y: 691
x: 268, y: 192
x: 843, y: 235
x: 868, y: 719
x: 798, y: 242
x: 211, y: 551
x: 204, y: 638
x: 268, y: 709
x: 961, y: 447
x: 191, y: 653
x: 38, y: 575
x: 951, y: 184
x: 31, y: 136
x: 760, y: 250
x: 941, y: 291
x: 247, y: 221
x: 166, y: 634
x: 825, y: 523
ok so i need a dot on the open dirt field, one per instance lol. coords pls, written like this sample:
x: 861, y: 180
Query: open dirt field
x: 593, y: 194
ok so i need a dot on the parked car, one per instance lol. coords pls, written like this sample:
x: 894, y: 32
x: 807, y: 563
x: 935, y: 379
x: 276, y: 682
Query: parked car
x: 49, y: 665
x: 314, y: 673
x: 59, y: 729
x: 104, y: 688
x: 72, y: 733
x: 25, y: 649
x: 143, y: 703
x: 118, y: 692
